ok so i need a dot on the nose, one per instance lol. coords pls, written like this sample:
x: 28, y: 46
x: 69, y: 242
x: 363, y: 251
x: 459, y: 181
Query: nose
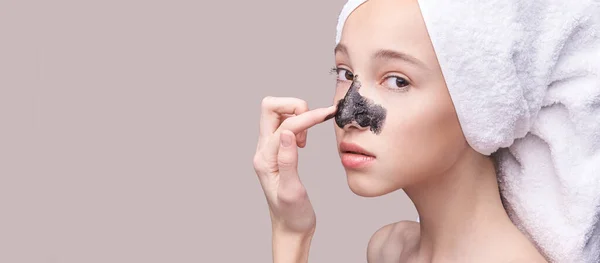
x: 356, y: 112
x: 353, y: 125
x: 353, y: 111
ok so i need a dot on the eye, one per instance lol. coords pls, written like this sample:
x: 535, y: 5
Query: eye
x: 396, y: 82
x: 343, y: 74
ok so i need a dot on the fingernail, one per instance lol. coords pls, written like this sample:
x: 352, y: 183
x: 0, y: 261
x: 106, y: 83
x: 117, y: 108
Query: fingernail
x: 286, y: 140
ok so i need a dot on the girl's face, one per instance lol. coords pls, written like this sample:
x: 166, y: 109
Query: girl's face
x: 385, y: 43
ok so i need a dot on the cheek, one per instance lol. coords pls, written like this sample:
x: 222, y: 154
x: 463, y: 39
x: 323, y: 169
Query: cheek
x: 339, y: 94
x: 340, y: 91
x: 338, y: 132
x: 423, y: 139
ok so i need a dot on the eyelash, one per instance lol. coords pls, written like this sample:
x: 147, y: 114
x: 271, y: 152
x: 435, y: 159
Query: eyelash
x: 335, y: 70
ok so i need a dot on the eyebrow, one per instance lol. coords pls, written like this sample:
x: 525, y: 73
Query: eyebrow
x: 341, y: 48
x: 386, y: 54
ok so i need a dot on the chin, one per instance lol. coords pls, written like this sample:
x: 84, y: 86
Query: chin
x: 363, y: 184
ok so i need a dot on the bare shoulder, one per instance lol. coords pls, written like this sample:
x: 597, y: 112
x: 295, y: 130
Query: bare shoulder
x: 392, y: 241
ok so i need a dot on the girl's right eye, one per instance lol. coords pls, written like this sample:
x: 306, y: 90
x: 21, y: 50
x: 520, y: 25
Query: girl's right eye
x: 344, y: 74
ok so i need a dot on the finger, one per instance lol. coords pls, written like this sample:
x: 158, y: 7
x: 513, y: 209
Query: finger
x: 273, y: 107
x: 302, y: 139
x: 287, y: 160
x: 273, y: 111
x: 302, y: 122
x: 292, y: 198
x: 296, y: 125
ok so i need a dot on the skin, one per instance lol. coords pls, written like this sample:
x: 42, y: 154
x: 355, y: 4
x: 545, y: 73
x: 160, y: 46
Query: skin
x: 421, y: 149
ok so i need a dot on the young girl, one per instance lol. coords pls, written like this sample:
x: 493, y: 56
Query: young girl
x: 396, y: 127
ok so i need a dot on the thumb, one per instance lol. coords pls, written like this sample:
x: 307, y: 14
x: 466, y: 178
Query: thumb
x: 287, y: 160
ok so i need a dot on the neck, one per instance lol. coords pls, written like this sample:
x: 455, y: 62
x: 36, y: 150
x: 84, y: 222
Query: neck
x: 459, y: 209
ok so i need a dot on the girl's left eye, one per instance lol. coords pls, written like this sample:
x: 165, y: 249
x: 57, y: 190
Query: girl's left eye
x: 395, y: 82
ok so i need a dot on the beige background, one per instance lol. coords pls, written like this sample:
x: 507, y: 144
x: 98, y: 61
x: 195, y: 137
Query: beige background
x: 127, y: 130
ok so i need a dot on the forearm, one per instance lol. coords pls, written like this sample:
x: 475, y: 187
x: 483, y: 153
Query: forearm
x: 291, y: 248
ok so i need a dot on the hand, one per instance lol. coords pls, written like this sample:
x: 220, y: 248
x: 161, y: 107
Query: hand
x: 283, y: 128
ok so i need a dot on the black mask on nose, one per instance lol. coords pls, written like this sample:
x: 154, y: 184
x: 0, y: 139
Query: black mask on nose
x: 354, y: 107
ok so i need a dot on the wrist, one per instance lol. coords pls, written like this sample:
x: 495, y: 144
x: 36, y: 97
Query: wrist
x: 291, y: 247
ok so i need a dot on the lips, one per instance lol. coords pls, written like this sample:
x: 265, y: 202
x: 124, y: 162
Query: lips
x: 354, y: 149
x: 355, y: 157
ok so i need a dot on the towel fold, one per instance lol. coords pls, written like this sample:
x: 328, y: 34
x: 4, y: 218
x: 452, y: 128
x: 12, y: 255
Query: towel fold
x: 524, y: 76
